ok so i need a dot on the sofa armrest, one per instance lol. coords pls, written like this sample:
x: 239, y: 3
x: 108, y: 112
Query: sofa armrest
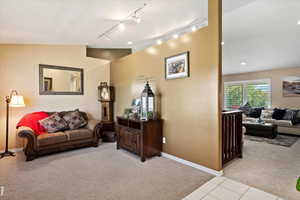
x: 95, y: 126
x: 92, y: 124
x: 28, y: 133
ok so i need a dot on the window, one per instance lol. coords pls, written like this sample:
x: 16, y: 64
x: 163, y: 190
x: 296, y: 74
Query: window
x: 233, y: 96
x: 256, y: 92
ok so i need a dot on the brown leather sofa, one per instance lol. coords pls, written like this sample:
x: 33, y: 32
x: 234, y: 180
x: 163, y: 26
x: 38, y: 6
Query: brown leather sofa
x: 60, y: 141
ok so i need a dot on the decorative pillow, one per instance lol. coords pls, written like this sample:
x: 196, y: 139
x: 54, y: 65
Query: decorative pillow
x: 246, y: 108
x: 255, y: 112
x: 74, y: 119
x: 278, y: 114
x: 54, y: 123
x: 289, y: 114
x: 267, y: 114
x: 296, y: 119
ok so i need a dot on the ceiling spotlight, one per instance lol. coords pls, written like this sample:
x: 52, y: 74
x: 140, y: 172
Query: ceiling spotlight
x: 298, y: 22
x: 159, y: 42
x: 194, y: 28
x: 222, y: 43
x: 129, y: 43
x: 175, y: 36
x: 121, y: 27
x: 137, y: 19
x: 243, y: 63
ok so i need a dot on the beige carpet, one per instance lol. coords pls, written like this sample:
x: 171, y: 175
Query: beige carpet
x: 101, y: 173
x: 268, y: 167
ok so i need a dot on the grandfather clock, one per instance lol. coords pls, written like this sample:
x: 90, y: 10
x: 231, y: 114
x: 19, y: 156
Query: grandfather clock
x: 106, y: 97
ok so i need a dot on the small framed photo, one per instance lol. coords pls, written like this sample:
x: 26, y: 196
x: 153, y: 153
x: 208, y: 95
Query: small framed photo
x: 177, y: 66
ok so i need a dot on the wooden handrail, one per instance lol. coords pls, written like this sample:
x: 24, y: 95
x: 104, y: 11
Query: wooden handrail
x: 232, y: 135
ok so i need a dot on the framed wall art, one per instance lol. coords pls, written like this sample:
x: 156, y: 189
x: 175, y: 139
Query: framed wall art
x: 177, y: 66
x: 291, y: 86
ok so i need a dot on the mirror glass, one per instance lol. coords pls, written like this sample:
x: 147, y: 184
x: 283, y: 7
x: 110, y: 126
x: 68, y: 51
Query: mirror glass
x: 58, y: 80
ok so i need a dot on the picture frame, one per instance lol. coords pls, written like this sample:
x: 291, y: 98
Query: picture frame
x: 291, y: 86
x: 177, y: 66
x: 50, y: 89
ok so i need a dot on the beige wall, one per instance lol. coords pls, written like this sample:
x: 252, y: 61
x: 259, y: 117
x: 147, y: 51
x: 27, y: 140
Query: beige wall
x: 189, y: 106
x: 278, y: 100
x: 19, y: 69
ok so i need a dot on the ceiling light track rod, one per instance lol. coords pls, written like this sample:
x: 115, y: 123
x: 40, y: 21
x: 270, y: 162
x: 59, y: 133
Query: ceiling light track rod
x: 133, y: 14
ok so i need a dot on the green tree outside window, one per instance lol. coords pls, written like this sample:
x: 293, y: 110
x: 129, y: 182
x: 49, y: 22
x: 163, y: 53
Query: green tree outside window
x: 234, y: 96
x: 257, y: 94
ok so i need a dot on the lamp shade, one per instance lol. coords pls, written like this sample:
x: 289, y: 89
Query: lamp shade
x: 17, y: 101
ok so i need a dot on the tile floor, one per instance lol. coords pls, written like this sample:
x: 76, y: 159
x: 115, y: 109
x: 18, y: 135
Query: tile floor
x: 221, y: 188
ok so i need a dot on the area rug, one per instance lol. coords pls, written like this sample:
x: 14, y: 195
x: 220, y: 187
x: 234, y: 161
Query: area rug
x: 281, y: 140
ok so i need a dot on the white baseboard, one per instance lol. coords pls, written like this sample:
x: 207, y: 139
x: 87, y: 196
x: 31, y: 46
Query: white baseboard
x: 194, y: 165
x: 13, y: 150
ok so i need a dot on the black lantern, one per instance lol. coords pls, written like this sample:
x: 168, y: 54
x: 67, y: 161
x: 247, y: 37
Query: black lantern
x: 147, y: 103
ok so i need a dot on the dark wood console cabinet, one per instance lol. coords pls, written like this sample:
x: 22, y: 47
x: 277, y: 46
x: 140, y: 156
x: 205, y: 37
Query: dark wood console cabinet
x: 143, y: 138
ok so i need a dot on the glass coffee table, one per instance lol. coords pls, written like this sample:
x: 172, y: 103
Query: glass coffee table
x: 261, y: 129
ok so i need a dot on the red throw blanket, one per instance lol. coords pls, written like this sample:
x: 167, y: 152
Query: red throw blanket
x: 32, y: 121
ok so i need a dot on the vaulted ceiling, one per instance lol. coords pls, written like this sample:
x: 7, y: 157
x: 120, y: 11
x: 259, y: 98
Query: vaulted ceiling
x: 81, y: 22
x: 261, y: 34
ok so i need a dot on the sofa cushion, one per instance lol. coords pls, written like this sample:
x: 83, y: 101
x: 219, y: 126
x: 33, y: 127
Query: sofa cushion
x: 51, y: 138
x: 278, y: 114
x: 295, y: 130
x: 296, y: 119
x: 283, y: 122
x: 267, y: 114
x: 54, y: 123
x: 249, y: 119
x: 74, y: 119
x: 268, y: 120
x: 289, y: 114
x: 78, y: 134
x: 255, y: 112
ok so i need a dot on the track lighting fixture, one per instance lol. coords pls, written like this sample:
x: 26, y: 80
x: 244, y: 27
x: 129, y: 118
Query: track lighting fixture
x: 135, y: 15
x: 194, y: 28
x: 121, y: 26
x: 137, y: 19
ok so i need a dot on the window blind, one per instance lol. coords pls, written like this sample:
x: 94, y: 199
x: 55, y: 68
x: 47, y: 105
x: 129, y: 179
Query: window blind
x: 258, y: 94
x: 255, y: 92
x: 233, y: 96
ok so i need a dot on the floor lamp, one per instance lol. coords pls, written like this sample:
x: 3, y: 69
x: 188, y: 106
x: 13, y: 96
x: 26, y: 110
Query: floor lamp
x: 13, y: 100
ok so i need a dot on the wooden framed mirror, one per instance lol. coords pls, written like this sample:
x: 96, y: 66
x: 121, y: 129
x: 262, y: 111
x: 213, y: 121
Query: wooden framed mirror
x: 59, y: 80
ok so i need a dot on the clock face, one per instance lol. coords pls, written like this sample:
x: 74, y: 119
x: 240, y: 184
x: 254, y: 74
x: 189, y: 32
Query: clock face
x: 105, y: 94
